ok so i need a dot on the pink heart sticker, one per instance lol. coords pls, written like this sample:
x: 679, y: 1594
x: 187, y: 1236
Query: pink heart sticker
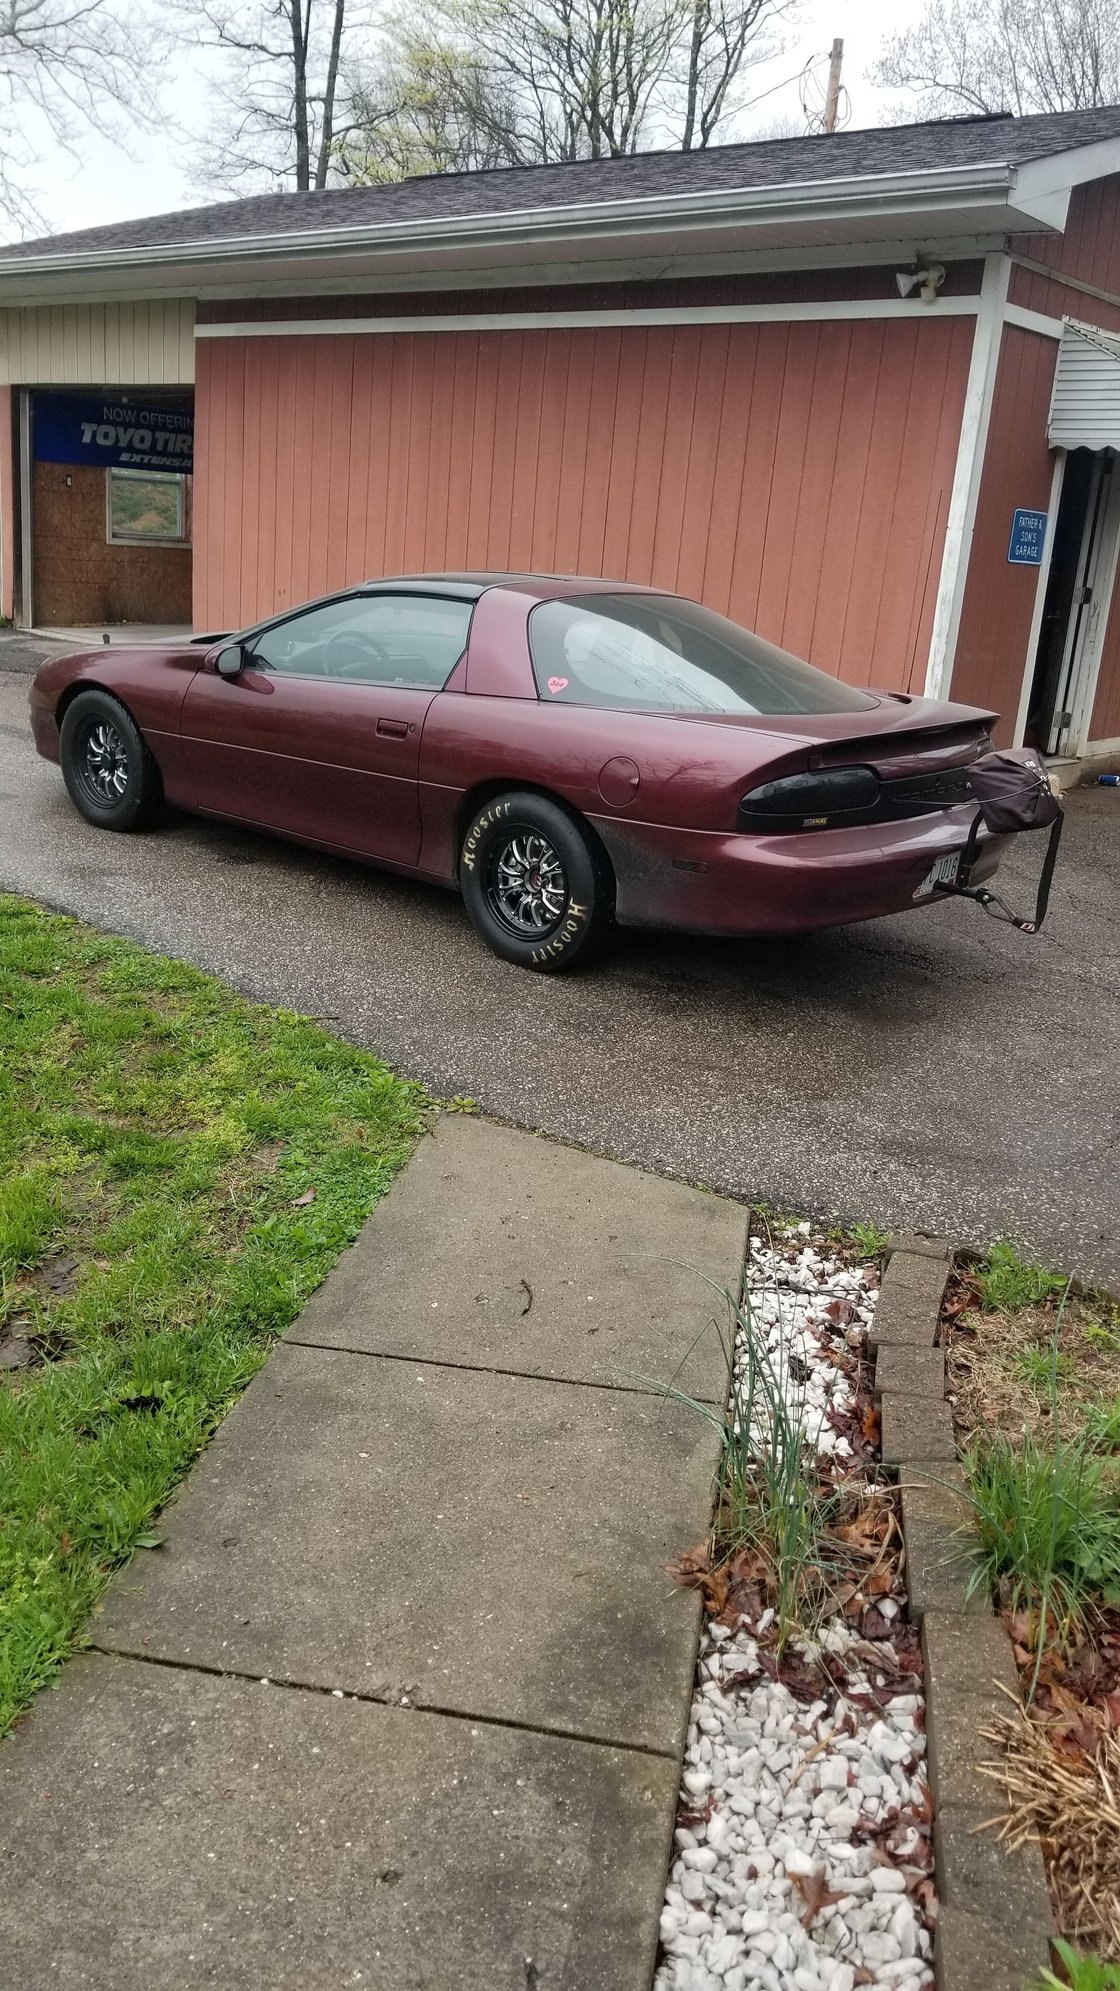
x: 556, y: 684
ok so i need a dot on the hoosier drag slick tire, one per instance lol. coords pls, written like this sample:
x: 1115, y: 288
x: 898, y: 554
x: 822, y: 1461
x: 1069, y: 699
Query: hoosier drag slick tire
x: 537, y: 887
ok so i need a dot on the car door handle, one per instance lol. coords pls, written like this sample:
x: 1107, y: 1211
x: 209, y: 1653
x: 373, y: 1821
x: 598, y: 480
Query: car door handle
x: 396, y: 729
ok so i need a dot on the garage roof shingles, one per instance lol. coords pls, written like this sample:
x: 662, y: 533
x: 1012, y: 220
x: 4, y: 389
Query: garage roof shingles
x: 771, y: 163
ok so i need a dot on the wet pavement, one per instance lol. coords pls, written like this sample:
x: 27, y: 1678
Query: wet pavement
x: 936, y: 1070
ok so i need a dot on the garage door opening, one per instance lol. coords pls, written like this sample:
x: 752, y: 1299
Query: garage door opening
x: 1078, y: 594
x: 106, y: 530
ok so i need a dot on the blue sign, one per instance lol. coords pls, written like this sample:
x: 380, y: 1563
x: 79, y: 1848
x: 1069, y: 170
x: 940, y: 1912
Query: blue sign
x: 115, y: 433
x: 1028, y: 535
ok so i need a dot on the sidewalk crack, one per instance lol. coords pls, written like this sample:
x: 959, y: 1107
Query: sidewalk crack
x: 291, y: 1340
x: 286, y: 1685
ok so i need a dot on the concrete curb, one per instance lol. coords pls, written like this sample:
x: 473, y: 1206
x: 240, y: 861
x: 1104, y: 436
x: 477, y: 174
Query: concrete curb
x: 994, y: 1919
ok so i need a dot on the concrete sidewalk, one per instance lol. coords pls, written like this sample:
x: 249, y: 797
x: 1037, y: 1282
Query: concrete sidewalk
x: 400, y: 1702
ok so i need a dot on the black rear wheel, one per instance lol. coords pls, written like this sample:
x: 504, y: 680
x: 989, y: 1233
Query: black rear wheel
x: 110, y: 774
x: 536, y: 885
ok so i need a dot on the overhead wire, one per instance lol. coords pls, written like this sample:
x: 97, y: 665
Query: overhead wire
x: 814, y: 96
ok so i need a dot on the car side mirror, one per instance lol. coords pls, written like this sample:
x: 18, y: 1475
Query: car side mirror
x: 230, y: 662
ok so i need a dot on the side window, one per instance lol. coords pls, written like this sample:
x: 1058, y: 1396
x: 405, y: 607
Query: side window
x: 401, y: 639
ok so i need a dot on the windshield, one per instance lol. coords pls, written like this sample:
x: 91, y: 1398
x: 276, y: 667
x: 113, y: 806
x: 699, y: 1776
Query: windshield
x: 657, y: 653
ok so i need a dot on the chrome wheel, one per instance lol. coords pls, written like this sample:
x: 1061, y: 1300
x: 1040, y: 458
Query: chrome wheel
x: 101, y: 763
x: 527, y: 885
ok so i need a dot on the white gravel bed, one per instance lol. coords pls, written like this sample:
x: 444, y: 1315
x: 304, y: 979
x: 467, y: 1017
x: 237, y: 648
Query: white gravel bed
x: 801, y: 1858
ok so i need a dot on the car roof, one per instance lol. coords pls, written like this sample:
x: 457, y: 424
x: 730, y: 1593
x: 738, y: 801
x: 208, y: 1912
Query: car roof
x: 470, y: 585
x: 466, y: 587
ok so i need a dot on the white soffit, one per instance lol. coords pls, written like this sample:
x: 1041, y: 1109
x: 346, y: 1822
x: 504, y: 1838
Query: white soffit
x: 1085, y: 404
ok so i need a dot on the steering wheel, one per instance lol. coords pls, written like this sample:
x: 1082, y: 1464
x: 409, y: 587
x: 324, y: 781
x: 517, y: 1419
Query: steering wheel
x: 350, y: 656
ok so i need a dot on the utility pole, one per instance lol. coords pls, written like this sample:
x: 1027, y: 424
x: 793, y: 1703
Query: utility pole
x: 832, y: 96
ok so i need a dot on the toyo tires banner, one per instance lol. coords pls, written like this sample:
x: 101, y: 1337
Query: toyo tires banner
x: 114, y: 433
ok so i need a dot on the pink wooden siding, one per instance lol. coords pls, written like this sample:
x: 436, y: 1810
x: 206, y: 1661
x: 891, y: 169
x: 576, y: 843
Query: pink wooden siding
x: 795, y: 476
x: 1018, y: 464
x: 1105, y: 722
x: 1089, y: 248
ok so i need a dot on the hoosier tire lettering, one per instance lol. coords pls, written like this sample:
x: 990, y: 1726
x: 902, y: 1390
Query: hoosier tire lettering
x: 470, y: 844
x: 576, y: 918
x: 535, y: 882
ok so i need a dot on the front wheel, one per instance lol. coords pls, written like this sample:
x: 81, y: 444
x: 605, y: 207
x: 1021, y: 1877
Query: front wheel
x: 537, y: 888
x: 110, y: 774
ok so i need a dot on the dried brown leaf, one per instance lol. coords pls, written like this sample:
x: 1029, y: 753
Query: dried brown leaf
x: 814, y: 1893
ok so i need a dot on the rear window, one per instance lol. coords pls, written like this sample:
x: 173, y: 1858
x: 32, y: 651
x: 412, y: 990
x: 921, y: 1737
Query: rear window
x: 655, y: 653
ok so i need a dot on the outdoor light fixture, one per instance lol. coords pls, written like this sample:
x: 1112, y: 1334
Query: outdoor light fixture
x: 930, y: 278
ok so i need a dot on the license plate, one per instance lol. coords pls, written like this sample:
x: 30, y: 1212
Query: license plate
x: 944, y: 872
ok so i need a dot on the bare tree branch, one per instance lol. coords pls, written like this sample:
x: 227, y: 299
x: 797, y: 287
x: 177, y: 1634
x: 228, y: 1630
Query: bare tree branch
x: 1006, y: 55
x: 724, y: 39
x: 75, y: 63
x: 520, y: 81
x: 308, y: 91
x: 275, y: 87
x: 326, y: 134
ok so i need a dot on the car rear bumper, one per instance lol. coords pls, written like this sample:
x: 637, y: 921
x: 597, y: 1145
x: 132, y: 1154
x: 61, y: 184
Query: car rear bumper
x: 706, y: 882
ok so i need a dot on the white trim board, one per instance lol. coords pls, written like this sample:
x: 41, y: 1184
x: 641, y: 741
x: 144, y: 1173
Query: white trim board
x: 1063, y: 279
x: 1103, y: 581
x: 1056, y: 482
x: 24, y: 566
x: 1032, y: 321
x: 560, y: 321
x: 961, y: 521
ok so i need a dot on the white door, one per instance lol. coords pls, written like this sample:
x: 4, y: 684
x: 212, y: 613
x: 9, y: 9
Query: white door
x: 1091, y: 600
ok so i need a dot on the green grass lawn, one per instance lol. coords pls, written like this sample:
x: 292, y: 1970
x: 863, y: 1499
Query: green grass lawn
x: 179, y: 1168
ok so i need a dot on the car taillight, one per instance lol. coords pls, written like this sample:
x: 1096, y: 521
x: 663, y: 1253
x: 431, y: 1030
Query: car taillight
x: 821, y: 800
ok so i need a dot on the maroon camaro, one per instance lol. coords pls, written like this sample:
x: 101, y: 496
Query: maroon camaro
x: 567, y: 753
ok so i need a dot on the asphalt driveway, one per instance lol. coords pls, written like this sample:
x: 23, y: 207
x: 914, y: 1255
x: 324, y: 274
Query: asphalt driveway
x: 935, y: 1070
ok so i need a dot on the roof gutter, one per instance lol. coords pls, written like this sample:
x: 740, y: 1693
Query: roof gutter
x: 715, y: 207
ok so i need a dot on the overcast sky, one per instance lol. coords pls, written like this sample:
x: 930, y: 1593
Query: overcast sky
x: 104, y: 183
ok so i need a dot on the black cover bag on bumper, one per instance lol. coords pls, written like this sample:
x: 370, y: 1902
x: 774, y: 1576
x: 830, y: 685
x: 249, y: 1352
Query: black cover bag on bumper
x: 1012, y: 790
